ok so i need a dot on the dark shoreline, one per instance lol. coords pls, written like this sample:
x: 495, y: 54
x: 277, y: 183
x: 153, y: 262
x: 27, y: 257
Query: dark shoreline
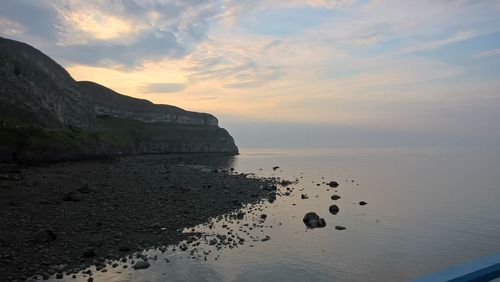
x: 78, y: 214
x: 48, y: 158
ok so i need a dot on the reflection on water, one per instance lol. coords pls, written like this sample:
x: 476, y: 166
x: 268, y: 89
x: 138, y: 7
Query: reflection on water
x: 426, y: 210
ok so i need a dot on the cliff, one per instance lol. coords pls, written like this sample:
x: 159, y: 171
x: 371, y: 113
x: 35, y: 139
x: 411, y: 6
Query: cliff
x: 107, y: 102
x: 37, y: 90
x: 46, y: 115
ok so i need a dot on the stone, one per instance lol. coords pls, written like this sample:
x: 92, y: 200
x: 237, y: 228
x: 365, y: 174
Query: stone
x: 335, y: 197
x: 124, y: 248
x: 333, y: 184
x: 312, y: 220
x: 304, y: 196
x: 362, y: 203
x: 141, y: 265
x: 72, y: 197
x: 89, y: 253
x: 334, y: 209
x: 84, y: 189
x: 271, y: 197
x: 44, y: 236
x: 338, y: 227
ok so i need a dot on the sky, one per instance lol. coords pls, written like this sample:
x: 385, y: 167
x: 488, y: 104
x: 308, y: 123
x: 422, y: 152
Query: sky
x: 310, y: 73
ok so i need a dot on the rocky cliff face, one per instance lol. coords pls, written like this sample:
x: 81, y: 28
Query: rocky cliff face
x: 39, y: 90
x: 46, y: 115
x: 107, y: 102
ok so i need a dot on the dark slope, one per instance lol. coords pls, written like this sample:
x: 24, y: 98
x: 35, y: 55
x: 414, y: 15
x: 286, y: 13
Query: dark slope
x: 35, y: 89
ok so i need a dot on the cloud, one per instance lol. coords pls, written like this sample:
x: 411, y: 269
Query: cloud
x: 10, y: 28
x: 120, y: 33
x: 163, y: 87
x: 487, y: 54
x: 426, y: 46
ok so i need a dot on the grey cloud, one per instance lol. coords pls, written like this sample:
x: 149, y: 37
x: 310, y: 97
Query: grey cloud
x: 147, y: 46
x: 178, y: 27
x: 38, y: 18
x: 164, y: 87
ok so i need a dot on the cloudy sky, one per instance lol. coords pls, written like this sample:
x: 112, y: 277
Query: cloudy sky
x: 299, y: 73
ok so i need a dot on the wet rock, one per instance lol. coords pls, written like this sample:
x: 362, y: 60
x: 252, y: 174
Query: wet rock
x: 312, y: 220
x: 84, y: 189
x: 89, y: 253
x: 333, y: 184
x: 44, y: 236
x: 72, y: 197
x: 338, y: 227
x: 271, y: 197
x: 240, y: 215
x: 334, y: 209
x: 141, y: 265
x: 335, y: 197
x: 124, y: 248
x: 362, y: 203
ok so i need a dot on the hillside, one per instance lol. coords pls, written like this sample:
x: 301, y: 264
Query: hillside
x: 46, y: 115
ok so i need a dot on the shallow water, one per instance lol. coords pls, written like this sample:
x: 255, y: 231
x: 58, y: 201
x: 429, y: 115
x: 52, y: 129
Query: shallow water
x: 427, y: 209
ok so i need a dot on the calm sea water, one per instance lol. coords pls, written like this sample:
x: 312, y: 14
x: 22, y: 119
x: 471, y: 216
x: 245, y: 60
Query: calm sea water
x: 427, y: 210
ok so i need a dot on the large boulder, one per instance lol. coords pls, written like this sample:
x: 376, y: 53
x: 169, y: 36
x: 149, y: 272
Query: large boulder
x: 312, y: 220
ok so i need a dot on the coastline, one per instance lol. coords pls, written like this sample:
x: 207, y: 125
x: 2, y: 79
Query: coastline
x: 78, y: 214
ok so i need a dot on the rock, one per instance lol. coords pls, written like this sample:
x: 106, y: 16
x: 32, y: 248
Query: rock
x: 362, y: 203
x: 212, y: 242
x: 59, y: 275
x: 89, y: 253
x: 334, y: 209
x: 335, y: 197
x: 333, y: 184
x: 72, y: 197
x: 91, y: 279
x: 275, y: 167
x: 124, y: 248
x: 84, y: 189
x: 271, y: 197
x: 44, y: 236
x: 304, y: 196
x: 338, y: 227
x: 141, y: 265
x: 240, y: 215
x: 263, y: 216
x: 312, y: 220
x: 267, y: 238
